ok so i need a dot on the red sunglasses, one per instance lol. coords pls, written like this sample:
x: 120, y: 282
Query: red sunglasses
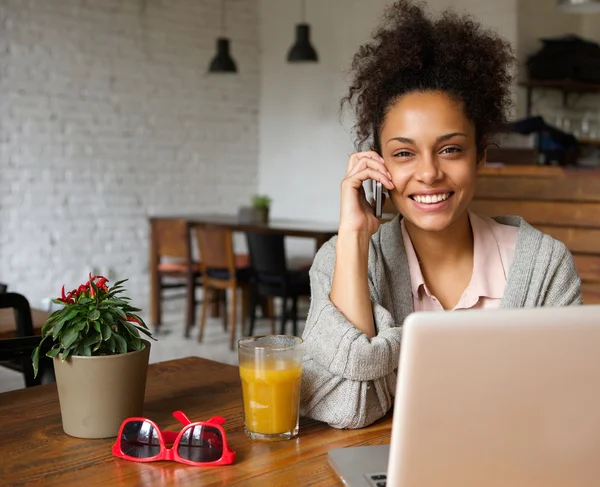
x: 198, y: 443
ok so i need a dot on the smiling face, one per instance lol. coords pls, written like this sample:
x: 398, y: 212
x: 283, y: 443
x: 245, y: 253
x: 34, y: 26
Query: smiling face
x: 430, y: 150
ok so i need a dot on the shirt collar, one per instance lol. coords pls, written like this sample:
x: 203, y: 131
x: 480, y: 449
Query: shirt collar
x: 489, y: 276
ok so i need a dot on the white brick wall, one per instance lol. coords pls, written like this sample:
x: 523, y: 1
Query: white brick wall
x: 107, y: 115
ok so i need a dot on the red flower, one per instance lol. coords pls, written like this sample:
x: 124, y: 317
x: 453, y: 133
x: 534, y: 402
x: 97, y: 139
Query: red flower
x: 68, y: 299
x: 83, y: 288
x: 101, y: 284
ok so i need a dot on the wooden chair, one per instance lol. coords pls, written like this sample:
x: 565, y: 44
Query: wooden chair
x: 172, y: 266
x: 15, y: 353
x: 222, y: 270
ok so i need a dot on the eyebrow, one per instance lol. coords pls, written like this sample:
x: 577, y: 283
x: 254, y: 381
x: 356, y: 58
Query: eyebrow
x: 441, y: 138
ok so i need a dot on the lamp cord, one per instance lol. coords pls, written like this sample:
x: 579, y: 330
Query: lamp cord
x: 223, y: 18
x: 303, y: 11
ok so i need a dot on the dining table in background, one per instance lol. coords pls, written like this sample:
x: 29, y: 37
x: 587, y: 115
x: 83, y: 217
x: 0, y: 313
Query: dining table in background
x: 8, y: 327
x: 319, y: 231
x: 35, y: 450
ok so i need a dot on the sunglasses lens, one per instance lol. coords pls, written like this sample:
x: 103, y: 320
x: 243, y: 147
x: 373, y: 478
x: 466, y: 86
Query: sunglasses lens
x: 201, y: 444
x: 139, y: 439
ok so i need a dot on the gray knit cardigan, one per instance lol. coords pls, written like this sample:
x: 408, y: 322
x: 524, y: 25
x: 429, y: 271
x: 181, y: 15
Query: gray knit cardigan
x: 348, y: 379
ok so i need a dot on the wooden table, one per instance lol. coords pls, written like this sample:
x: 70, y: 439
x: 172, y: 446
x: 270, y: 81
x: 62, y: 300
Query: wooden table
x: 8, y: 326
x: 319, y: 231
x: 35, y: 449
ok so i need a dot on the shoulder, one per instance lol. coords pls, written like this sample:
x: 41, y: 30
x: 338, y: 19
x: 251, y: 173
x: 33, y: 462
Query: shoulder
x: 532, y: 243
x: 387, y: 236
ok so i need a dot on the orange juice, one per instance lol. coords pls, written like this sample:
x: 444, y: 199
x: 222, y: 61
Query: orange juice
x: 271, y: 396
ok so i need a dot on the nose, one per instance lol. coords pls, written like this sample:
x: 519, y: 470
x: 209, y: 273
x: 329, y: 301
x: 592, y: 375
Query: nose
x: 428, y: 170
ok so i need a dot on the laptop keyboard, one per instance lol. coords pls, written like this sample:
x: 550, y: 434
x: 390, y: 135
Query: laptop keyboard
x: 377, y: 479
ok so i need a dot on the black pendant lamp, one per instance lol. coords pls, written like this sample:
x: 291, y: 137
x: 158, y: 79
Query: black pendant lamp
x: 302, y: 50
x: 222, y: 62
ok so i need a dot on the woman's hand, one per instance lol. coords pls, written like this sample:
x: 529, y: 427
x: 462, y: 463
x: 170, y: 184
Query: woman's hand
x: 356, y: 212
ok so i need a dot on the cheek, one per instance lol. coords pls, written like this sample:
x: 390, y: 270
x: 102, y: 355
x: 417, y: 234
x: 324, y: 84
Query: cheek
x: 462, y: 175
x: 401, y: 175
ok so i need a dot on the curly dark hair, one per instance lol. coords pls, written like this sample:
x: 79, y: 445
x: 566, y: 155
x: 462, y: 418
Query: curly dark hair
x: 452, y: 54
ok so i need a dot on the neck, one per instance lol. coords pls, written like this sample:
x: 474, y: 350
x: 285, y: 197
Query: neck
x: 443, y: 248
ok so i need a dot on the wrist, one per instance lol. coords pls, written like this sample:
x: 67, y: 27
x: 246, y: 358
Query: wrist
x: 353, y: 241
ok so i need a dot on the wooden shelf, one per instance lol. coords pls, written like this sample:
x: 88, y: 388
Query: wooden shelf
x: 586, y: 141
x: 566, y: 86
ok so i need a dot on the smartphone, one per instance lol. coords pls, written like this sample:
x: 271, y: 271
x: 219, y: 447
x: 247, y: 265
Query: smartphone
x: 378, y: 198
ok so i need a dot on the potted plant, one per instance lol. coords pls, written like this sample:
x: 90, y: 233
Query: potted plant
x: 258, y: 212
x: 100, y: 358
x: 261, y: 204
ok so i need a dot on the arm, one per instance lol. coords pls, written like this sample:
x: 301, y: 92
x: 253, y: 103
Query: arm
x: 348, y: 378
x: 564, y: 287
x: 350, y: 288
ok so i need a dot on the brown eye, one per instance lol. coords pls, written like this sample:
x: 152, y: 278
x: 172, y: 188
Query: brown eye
x: 451, y: 150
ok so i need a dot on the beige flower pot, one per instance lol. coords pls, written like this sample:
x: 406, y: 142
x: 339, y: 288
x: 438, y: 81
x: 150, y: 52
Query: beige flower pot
x: 97, y: 393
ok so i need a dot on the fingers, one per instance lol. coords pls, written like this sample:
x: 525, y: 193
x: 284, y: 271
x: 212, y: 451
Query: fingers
x: 366, y: 162
x: 357, y: 156
x: 356, y: 178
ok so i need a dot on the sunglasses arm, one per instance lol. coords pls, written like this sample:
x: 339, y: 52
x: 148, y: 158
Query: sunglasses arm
x: 184, y: 420
x: 216, y: 420
x: 181, y: 417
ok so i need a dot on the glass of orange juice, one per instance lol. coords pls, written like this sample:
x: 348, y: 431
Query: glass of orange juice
x: 271, y: 372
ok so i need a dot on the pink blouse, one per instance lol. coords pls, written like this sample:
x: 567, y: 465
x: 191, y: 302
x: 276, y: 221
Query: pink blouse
x: 493, y: 252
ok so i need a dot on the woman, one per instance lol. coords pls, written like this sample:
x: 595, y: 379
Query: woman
x: 428, y: 94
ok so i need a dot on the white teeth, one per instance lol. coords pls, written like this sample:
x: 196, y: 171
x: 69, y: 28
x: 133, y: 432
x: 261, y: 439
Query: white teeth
x: 431, y: 198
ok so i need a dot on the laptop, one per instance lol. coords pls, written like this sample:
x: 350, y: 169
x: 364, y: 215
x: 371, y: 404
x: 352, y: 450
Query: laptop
x: 491, y: 398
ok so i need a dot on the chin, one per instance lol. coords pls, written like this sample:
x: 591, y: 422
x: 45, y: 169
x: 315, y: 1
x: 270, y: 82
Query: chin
x: 431, y: 223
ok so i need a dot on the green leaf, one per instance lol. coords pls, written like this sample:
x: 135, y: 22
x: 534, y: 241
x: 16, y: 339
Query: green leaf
x: 107, y: 317
x: 69, y: 338
x: 121, y: 313
x: 85, y: 300
x: 117, y: 302
x: 137, y: 328
x: 121, y: 343
x: 35, y: 359
x: 70, y: 312
x: 130, y: 328
x: 57, y: 327
x: 65, y: 354
x: 94, y: 315
x: 118, y: 283
x: 106, y: 332
x: 134, y: 343
x: 110, y: 344
x: 78, y: 327
x: 83, y: 350
x: 97, y: 326
x: 90, y: 340
x: 53, y: 352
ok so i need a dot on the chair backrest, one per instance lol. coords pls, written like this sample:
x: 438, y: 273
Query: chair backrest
x: 21, y: 348
x: 215, y: 245
x: 22, y: 310
x: 267, y: 253
x: 18, y: 350
x: 171, y: 238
